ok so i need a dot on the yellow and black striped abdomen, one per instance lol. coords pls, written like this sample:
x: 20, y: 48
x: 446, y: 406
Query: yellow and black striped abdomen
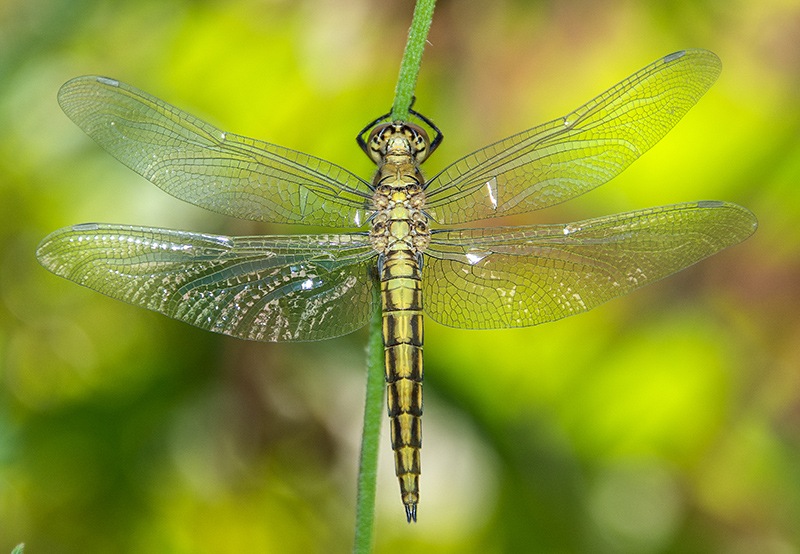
x: 401, y: 299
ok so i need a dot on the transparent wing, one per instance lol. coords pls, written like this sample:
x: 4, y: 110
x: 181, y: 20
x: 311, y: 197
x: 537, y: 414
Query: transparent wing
x: 518, y: 276
x: 277, y: 288
x: 571, y: 155
x: 201, y: 164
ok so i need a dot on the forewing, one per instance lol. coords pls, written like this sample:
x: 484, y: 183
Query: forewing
x: 276, y: 288
x: 571, y: 155
x: 518, y: 276
x: 201, y: 164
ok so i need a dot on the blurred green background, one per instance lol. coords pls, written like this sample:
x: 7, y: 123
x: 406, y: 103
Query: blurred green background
x: 666, y: 421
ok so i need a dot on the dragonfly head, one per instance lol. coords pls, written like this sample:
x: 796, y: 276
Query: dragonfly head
x: 398, y: 139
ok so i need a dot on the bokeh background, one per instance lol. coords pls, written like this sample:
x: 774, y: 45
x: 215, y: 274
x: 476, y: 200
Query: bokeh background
x: 665, y: 421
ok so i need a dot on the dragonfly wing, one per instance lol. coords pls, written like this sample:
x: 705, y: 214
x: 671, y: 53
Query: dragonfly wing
x: 277, y: 288
x: 571, y: 155
x: 518, y: 276
x: 201, y: 164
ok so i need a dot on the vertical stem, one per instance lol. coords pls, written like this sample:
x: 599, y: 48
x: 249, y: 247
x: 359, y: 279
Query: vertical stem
x: 373, y: 410
x: 412, y: 58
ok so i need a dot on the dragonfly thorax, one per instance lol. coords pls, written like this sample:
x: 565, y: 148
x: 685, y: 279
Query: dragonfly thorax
x: 399, y: 222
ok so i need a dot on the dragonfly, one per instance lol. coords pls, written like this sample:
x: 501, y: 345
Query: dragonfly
x: 311, y: 287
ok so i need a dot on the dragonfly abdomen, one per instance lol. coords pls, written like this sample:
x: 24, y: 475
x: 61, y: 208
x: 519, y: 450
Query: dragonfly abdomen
x: 401, y: 299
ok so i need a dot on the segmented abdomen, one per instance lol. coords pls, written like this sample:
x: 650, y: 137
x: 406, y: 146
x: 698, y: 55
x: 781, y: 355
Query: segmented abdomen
x: 401, y: 298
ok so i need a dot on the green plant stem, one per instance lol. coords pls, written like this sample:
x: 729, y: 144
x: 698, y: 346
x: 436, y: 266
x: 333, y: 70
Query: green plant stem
x: 373, y: 410
x: 412, y: 58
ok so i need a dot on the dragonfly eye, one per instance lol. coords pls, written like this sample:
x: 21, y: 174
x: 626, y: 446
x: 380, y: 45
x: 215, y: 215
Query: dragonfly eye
x: 418, y: 138
x: 377, y: 141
